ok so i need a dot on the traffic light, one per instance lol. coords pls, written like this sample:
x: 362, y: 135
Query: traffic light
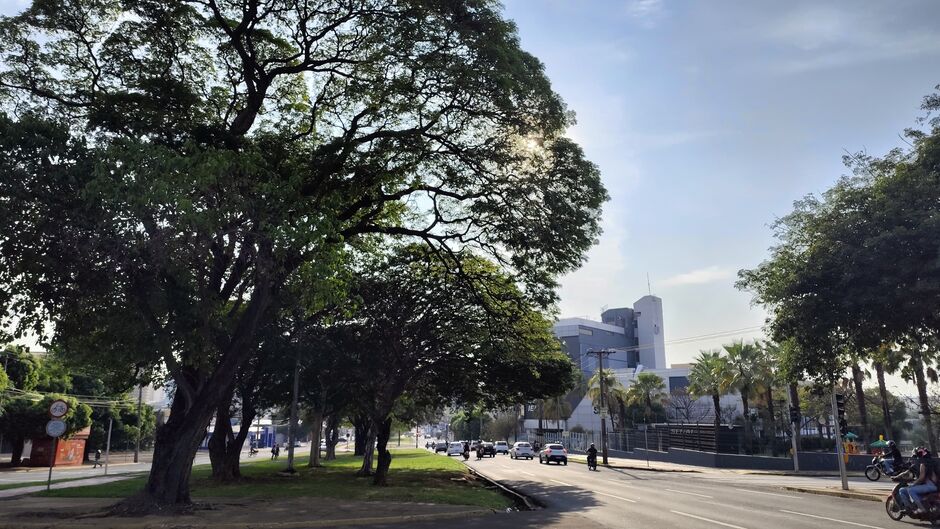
x: 794, y: 415
x: 840, y: 411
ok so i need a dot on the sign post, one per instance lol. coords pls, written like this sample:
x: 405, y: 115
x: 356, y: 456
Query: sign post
x: 839, y: 449
x: 54, y: 429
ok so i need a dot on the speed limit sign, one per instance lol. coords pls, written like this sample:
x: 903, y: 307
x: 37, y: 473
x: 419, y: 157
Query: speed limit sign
x: 58, y: 409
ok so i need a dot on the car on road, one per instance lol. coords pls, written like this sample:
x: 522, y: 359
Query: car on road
x: 489, y: 449
x: 501, y: 447
x: 455, y: 449
x: 440, y: 447
x: 474, y: 444
x: 521, y: 449
x: 553, y: 452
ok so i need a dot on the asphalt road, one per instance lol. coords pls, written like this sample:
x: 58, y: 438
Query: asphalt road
x: 627, y: 498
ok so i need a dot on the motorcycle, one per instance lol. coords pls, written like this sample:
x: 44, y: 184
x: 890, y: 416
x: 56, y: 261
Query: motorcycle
x: 466, y: 455
x: 877, y: 467
x: 252, y: 452
x: 592, y: 462
x: 897, y: 510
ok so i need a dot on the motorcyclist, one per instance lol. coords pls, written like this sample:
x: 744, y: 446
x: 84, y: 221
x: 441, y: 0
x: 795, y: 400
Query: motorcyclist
x: 892, y: 459
x: 925, y: 484
x: 466, y: 450
x: 592, y: 455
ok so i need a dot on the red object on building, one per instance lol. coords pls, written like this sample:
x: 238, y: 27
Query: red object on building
x: 69, y: 452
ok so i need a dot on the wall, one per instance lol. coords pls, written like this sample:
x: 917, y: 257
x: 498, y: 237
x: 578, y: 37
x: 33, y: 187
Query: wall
x: 650, y: 332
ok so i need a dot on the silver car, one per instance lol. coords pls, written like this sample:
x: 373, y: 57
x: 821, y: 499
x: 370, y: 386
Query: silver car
x: 521, y: 449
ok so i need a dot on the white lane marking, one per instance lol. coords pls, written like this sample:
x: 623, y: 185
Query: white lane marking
x: 504, y: 466
x: 689, y: 493
x: 562, y: 483
x: 613, y: 496
x: 830, y: 519
x: 526, y: 473
x: 766, y: 493
x: 707, y: 519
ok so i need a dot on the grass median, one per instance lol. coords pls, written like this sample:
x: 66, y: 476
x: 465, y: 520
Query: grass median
x: 415, y: 476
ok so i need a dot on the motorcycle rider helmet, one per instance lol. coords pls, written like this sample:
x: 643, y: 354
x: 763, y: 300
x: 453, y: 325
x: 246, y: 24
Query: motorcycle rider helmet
x: 891, y: 445
x: 921, y: 452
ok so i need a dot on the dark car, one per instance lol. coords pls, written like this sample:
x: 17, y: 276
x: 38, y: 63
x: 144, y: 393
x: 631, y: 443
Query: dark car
x: 489, y: 450
x: 440, y: 447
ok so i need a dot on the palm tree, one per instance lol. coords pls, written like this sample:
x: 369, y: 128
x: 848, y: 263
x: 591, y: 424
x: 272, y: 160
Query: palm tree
x: 885, y: 360
x: 744, y: 361
x: 614, y: 392
x: 647, y: 389
x: 710, y: 377
x: 554, y: 408
x: 767, y: 379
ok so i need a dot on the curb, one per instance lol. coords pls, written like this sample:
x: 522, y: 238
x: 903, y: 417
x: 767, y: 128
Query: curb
x: 531, y: 503
x: 839, y: 493
x: 645, y: 469
x: 373, y: 520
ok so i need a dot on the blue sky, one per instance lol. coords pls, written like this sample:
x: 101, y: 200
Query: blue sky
x: 708, y: 119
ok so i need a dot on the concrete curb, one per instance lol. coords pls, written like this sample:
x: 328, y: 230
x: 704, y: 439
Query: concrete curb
x: 103, y: 523
x: 531, y: 503
x: 840, y: 493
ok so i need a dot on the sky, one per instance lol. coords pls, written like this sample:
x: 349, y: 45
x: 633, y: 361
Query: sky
x: 707, y: 120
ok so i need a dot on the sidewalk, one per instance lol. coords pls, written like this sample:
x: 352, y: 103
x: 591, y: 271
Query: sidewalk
x: 660, y: 466
x: 21, y: 491
x: 228, y: 513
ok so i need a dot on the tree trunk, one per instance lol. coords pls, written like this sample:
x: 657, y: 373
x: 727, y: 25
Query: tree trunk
x: 332, y: 436
x: 361, y: 424
x: 924, y: 402
x: 716, y: 402
x: 18, y: 444
x: 366, y: 468
x: 773, y: 419
x: 385, y: 457
x: 860, y: 397
x: 218, y: 443
x: 885, y: 406
x: 795, y: 402
x: 316, y: 432
x: 747, y: 421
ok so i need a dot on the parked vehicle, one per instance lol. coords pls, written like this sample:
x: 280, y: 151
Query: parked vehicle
x: 501, y: 447
x: 455, y: 449
x: 521, y: 449
x: 896, y: 510
x: 554, y: 452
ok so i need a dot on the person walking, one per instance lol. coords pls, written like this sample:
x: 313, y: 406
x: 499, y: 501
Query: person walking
x: 97, y: 459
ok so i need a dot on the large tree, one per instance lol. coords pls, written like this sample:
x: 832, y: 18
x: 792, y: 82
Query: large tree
x: 169, y: 166
x: 744, y: 361
x: 710, y: 376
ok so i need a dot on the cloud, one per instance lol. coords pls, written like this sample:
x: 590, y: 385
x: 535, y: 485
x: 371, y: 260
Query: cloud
x: 647, y: 12
x: 698, y: 277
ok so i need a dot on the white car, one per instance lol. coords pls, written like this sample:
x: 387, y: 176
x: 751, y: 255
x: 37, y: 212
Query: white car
x: 455, y: 449
x: 502, y: 447
x: 521, y: 449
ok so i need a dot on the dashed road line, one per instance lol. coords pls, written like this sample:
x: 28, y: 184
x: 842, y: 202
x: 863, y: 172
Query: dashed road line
x: 526, y: 473
x: 830, y: 519
x: 690, y: 493
x: 562, y: 483
x: 702, y: 518
x: 615, y: 496
x: 766, y: 493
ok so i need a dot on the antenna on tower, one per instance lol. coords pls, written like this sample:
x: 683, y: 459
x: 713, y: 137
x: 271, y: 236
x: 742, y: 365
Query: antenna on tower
x: 648, y: 286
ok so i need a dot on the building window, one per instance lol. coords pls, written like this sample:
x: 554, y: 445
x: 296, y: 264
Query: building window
x: 586, y: 332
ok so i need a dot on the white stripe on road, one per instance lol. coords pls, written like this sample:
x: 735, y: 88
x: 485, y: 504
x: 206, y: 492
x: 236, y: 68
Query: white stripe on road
x: 689, y: 493
x: 613, y: 496
x: 830, y: 519
x: 562, y: 483
x: 766, y: 493
x: 526, y: 473
x: 707, y: 519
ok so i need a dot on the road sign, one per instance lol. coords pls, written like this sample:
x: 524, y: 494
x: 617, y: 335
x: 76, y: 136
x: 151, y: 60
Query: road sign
x: 603, y: 413
x: 58, y: 409
x: 55, y: 428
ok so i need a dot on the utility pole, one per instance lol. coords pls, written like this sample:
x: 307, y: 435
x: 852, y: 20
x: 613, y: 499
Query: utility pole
x: 107, y: 448
x: 140, y: 423
x: 794, y: 430
x: 603, y: 411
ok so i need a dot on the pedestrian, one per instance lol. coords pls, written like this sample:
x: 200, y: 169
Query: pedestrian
x: 97, y: 458
x: 277, y: 451
x: 273, y: 452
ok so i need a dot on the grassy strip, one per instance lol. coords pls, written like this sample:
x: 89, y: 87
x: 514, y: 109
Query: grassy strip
x: 415, y: 476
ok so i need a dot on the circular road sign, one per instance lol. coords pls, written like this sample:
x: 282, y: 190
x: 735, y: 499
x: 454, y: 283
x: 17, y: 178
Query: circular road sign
x: 58, y: 409
x: 55, y: 428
